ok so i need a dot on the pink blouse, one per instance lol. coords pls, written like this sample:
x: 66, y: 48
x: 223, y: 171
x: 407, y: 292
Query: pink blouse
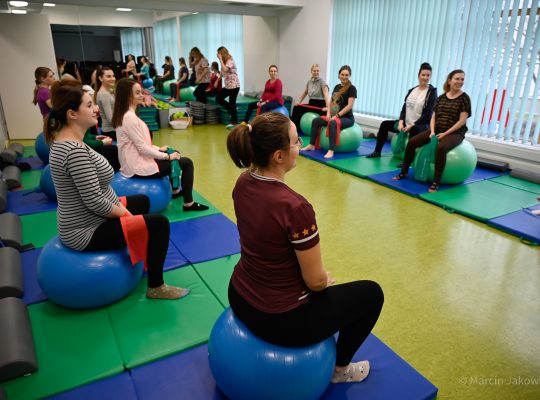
x: 136, y: 152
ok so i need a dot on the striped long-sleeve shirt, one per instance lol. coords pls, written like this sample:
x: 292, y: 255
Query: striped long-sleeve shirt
x: 82, y: 180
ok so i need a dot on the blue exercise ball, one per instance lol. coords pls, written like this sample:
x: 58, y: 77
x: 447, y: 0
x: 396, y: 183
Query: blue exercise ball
x: 85, y: 279
x: 147, y: 83
x: 46, y: 183
x: 158, y: 190
x: 246, y: 367
x: 281, y: 110
x: 42, y: 148
x: 349, y: 139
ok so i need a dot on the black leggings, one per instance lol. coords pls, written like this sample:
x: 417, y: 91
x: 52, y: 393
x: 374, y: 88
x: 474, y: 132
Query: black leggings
x: 299, y: 110
x: 388, y: 126
x: 200, y: 92
x: 109, y: 236
x: 266, y: 108
x: 318, y: 123
x: 230, y: 106
x: 444, y: 146
x: 351, y: 308
x: 186, y: 179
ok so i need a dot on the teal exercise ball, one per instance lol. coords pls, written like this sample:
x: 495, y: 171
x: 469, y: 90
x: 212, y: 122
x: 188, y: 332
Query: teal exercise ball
x: 400, y: 155
x: 306, y: 121
x: 167, y: 86
x: 460, y: 164
x: 349, y: 139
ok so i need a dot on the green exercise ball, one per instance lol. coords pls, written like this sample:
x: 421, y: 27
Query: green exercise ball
x: 186, y: 94
x: 167, y: 86
x: 460, y: 164
x: 399, y: 155
x: 306, y: 121
x: 349, y: 139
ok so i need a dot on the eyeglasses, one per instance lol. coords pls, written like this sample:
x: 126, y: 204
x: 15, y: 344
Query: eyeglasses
x: 299, y: 142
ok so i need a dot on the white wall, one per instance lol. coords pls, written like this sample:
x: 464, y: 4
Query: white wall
x: 261, y: 49
x: 304, y: 36
x: 26, y: 43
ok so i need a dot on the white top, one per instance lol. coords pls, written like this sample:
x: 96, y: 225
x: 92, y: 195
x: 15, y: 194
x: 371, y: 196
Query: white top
x: 414, y: 105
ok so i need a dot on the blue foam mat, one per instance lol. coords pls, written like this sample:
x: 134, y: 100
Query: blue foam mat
x: 205, y: 238
x: 23, y: 202
x: 188, y: 372
x: 413, y: 187
x: 32, y: 291
x: 35, y: 162
x: 520, y: 223
x: 183, y: 375
x: 369, y: 145
x: 113, y: 388
x: 318, y: 155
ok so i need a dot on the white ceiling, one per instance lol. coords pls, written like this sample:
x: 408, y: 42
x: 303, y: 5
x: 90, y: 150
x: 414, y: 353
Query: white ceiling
x: 253, y: 7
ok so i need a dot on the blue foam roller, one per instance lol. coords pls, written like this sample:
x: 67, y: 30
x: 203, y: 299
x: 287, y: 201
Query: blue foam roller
x: 158, y: 190
x: 85, y: 279
x: 247, y: 367
x: 42, y: 148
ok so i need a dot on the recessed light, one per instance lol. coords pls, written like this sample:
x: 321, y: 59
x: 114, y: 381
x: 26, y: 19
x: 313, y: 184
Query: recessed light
x: 18, y: 4
x: 49, y: 5
x: 195, y: 13
x: 18, y: 11
x: 123, y: 9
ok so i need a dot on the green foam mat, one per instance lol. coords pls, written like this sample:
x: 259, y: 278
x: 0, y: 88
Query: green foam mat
x: 147, y: 329
x: 217, y: 274
x: 73, y: 348
x: 482, y: 200
x: 363, y: 167
x: 29, y: 151
x: 30, y: 179
x: 39, y: 228
x: 517, y: 183
x: 175, y: 212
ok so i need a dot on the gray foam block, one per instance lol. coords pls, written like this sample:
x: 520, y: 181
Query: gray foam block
x: 12, y: 176
x: 11, y: 278
x: 11, y: 230
x: 17, y: 148
x: 17, y: 352
x: 9, y: 156
x: 525, y: 175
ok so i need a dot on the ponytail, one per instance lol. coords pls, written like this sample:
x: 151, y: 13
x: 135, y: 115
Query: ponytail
x: 39, y: 74
x: 253, y: 145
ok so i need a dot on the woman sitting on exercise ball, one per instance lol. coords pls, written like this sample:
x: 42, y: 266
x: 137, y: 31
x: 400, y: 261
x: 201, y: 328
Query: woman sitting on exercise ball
x: 448, y: 123
x: 340, y: 112
x: 271, y: 98
x: 89, y: 211
x: 317, y: 90
x: 415, y: 113
x: 138, y: 156
x: 280, y: 289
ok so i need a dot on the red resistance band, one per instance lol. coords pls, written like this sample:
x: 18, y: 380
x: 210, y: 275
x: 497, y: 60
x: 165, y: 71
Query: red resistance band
x: 135, y: 234
x: 338, y: 129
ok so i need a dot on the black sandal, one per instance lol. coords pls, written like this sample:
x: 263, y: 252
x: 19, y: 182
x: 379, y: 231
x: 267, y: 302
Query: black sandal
x: 399, y: 176
x: 375, y: 154
x: 433, y: 188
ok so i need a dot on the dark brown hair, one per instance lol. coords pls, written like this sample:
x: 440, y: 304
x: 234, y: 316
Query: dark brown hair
x: 66, y: 95
x: 273, y: 66
x: 446, y: 86
x: 338, y: 94
x: 423, y: 67
x: 269, y: 133
x: 39, y: 74
x: 122, y: 100
x: 99, y: 74
x: 182, y: 61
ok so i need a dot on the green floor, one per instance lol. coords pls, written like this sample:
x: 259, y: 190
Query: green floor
x: 462, y: 299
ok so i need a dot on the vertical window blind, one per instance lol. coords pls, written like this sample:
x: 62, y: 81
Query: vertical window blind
x: 166, y: 39
x: 132, y: 41
x: 496, y: 43
x: 210, y: 31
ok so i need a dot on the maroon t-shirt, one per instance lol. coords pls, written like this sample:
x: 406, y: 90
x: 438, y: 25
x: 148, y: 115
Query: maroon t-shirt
x: 273, y: 221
